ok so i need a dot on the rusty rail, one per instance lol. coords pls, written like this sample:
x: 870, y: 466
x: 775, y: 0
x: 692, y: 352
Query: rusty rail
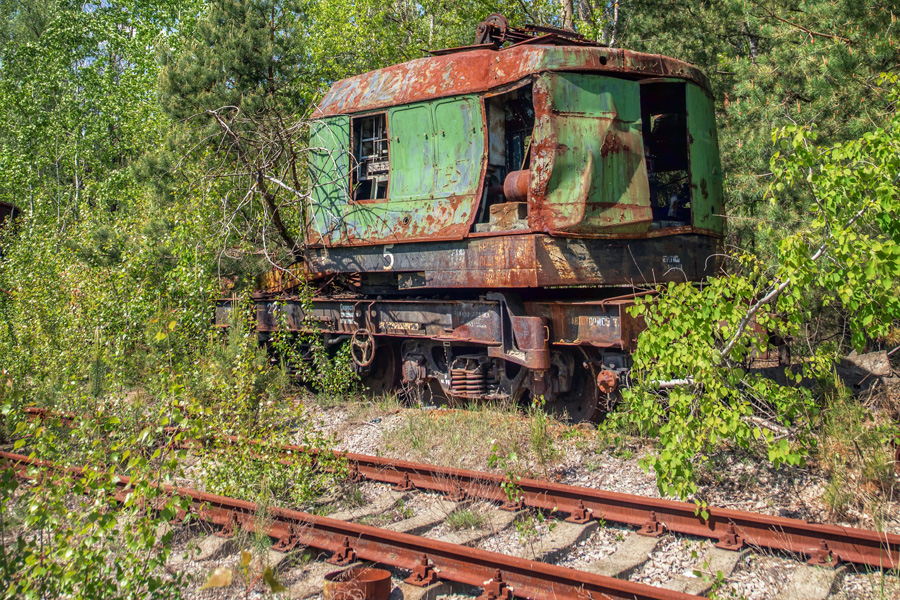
x: 732, y: 529
x: 501, y: 576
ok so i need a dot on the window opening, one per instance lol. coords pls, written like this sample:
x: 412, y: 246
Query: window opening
x: 666, y: 149
x: 370, y: 153
x: 510, y: 119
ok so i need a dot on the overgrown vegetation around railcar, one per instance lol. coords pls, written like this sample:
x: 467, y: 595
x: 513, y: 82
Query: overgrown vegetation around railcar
x: 132, y: 217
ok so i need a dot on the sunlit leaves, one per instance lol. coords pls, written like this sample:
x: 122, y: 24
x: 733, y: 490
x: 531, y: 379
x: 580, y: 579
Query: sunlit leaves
x: 846, y: 254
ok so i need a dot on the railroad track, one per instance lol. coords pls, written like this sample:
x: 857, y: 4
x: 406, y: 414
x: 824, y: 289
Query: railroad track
x: 427, y: 560
x: 731, y: 530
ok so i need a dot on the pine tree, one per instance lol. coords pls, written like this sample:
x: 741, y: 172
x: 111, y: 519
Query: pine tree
x: 771, y: 64
x: 240, y: 85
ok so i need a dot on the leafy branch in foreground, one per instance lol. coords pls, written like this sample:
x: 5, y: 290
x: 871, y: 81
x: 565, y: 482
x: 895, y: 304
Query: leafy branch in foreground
x: 848, y: 254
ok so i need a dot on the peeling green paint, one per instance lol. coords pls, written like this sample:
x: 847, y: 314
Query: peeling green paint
x: 436, y: 155
x: 594, y: 149
x: 706, y: 168
x: 588, y: 167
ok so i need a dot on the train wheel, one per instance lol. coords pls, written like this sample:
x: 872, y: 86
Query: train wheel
x: 382, y: 375
x: 582, y: 401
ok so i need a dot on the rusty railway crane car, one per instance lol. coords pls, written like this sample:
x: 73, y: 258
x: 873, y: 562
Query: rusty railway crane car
x: 493, y: 210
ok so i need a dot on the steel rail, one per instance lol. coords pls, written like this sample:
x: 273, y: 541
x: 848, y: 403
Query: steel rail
x: 500, y: 575
x: 732, y: 529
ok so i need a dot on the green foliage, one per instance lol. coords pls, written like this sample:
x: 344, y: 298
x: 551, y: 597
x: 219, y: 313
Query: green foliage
x: 154, y: 149
x: 811, y: 63
x: 331, y: 372
x: 242, y: 394
x: 543, y: 446
x: 238, y: 88
x: 65, y: 535
x: 241, y: 56
x: 252, y: 470
x: 509, y: 464
x: 847, y: 254
x: 856, y: 452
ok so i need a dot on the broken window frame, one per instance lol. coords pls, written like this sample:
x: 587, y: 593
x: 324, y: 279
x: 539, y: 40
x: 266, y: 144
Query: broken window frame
x: 665, y: 217
x: 357, y: 124
x: 493, y: 194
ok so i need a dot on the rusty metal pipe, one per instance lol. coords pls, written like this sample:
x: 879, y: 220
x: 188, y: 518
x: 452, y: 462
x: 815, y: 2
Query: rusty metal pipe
x: 358, y: 583
x: 516, y: 185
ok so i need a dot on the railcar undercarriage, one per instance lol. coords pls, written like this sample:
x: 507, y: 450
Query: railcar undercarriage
x: 570, y: 355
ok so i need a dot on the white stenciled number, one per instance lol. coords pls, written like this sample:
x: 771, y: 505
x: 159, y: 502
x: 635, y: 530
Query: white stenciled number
x: 388, y: 258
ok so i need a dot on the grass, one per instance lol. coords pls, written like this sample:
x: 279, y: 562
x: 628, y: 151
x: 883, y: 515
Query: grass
x: 353, y: 497
x: 366, y: 409
x: 856, y: 454
x: 379, y: 520
x: 466, y: 519
x: 468, y: 437
x: 542, y: 442
x: 398, y: 512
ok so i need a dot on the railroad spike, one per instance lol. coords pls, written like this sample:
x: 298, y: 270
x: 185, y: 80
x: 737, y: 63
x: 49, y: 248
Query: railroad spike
x: 423, y: 574
x: 344, y: 556
x: 458, y: 494
x: 228, y: 529
x: 496, y: 589
x: 519, y: 504
x: 580, y: 514
x: 823, y: 556
x: 730, y: 540
x: 286, y: 544
x: 405, y: 486
x: 652, y: 527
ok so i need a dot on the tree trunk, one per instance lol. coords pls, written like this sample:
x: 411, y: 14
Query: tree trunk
x: 568, y: 15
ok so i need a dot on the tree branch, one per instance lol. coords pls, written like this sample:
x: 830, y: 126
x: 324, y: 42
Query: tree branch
x: 779, y: 289
x: 810, y: 32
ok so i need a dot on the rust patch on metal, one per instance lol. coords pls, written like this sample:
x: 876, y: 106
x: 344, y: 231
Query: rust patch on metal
x: 703, y: 188
x: 507, y: 215
x: 612, y: 144
x: 479, y: 70
x: 607, y: 381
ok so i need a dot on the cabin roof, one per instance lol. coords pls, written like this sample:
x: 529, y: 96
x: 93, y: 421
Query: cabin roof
x: 480, y: 70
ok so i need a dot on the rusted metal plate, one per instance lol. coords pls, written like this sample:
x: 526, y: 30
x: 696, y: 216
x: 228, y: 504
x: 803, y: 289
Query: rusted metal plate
x: 531, y: 260
x: 508, y: 216
x: 599, y: 324
x: 522, y: 338
x: 589, y: 174
x: 478, y: 71
x: 435, y: 170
